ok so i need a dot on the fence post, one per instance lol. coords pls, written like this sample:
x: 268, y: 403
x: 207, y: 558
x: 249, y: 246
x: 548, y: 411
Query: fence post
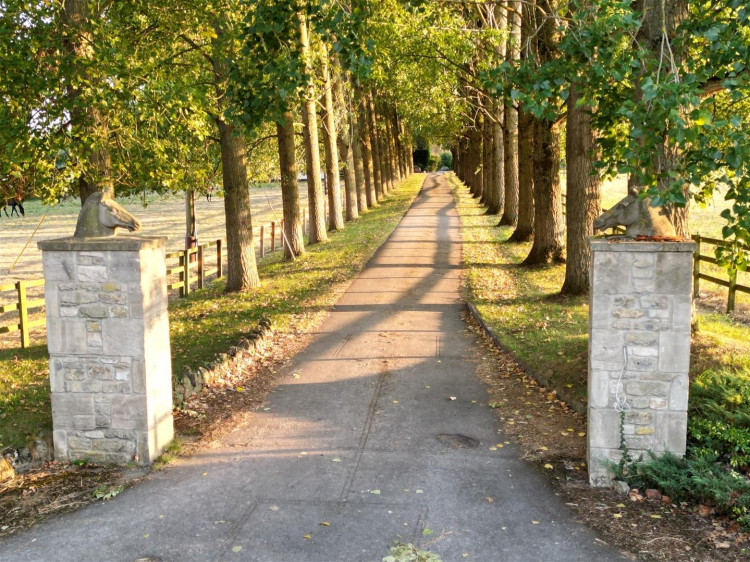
x: 273, y: 236
x: 219, y: 271
x: 732, y: 291
x: 697, y: 266
x: 200, y: 267
x: 23, y: 313
x: 262, y: 241
x: 186, y: 272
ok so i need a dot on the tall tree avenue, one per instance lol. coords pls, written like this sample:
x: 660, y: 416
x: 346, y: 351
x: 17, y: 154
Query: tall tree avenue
x: 532, y: 104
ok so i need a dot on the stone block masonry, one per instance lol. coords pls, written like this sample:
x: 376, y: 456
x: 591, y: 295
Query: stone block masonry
x: 108, y: 339
x: 639, y: 350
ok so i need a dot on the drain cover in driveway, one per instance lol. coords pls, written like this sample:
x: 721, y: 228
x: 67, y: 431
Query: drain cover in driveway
x: 458, y: 441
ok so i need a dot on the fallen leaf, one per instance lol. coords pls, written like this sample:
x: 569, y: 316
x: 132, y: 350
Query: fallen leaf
x: 654, y: 516
x: 308, y: 536
x: 543, y: 448
x: 722, y: 545
x: 535, y: 522
x: 620, y: 505
x: 240, y: 389
x: 451, y: 398
x: 418, y: 491
x: 581, y: 434
x: 493, y: 448
x: 336, y: 460
x: 427, y: 532
x: 395, y: 401
x: 489, y: 499
x: 236, y: 548
x: 548, y: 466
x: 376, y: 492
x: 325, y: 523
x: 617, y: 515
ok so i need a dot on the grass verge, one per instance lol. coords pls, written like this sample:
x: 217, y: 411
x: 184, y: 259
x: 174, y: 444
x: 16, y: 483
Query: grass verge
x: 523, y: 307
x: 208, y: 322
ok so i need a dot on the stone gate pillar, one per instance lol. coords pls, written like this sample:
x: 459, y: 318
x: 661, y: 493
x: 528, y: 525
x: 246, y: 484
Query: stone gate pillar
x: 108, y: 339
x: 639, y: 350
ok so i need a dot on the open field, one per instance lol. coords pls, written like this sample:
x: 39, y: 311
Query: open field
x: 163, y: 216
x: 20, y: 259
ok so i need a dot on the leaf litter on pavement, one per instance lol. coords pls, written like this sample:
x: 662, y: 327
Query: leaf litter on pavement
x: 552, y: 436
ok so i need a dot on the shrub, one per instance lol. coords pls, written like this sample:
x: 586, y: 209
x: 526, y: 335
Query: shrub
x: 719, y: 417
x: 699, y: 479
x: 718, y: 449
x: 446, y: 159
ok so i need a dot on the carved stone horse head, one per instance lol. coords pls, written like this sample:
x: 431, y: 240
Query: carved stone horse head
x: 101, y: 215
x: 637, y: 216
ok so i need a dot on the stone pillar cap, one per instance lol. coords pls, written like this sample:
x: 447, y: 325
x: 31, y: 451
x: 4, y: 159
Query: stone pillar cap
x: 103, y: 244
x: 625, y: 244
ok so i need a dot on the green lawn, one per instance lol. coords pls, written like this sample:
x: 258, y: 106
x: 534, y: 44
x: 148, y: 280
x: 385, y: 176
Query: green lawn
x: 547, y: 330
x: 208, y: 322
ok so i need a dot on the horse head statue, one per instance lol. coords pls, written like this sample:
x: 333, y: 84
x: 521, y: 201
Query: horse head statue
x: 101, y: 215
x: 637, y: 216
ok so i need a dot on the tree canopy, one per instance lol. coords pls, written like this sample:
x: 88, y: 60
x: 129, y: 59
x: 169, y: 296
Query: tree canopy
x: 128, y: 95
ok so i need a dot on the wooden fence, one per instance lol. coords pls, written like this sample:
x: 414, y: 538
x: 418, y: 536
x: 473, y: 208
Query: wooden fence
x: 23, y: 305
x: 186, y: 272
x: 731, y: 284
x: 191, y: 269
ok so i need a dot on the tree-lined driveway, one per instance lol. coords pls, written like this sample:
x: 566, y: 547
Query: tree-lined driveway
x: 379, y: 432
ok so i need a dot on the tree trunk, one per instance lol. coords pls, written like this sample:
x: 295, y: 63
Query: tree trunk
x: 400, y: 152
x: 88, y: 122
x: 659, y: 22
x: 191, y: 236
x: 294, y: 244
x: 498, y: 168
x: 510, y: 166
x: 380, y: 139
x: 390, y: 137
x: 345, y: 144
x: 368, y: 160
x: 525, y: 226
x: 510, y: 126
x: 335, y: 216
x: 312, y: 149
x: 583, y: 195
x: 242, y: 271
x: 359, y: 162
x: 548, y: 220
x: 488, y: 163
x: 476, y: 177
x: 377, y: 166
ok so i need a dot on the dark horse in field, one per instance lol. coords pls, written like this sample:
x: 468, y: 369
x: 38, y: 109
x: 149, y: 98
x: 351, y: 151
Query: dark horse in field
x: 15, y: 207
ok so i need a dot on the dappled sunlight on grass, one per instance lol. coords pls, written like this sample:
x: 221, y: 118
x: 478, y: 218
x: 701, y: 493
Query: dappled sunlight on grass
x: 522, y: 304
x: 291, y: 293
x: 547, y: 331
x: 24, y: 394
x: 209, y: 322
